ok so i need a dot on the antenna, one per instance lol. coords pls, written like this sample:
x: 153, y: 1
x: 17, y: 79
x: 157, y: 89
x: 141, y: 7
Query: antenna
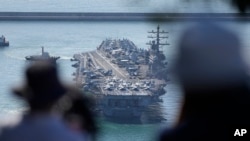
x: 42, y: 50
x: 155, y: 44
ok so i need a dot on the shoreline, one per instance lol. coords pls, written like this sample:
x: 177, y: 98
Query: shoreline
x: 109, y: 16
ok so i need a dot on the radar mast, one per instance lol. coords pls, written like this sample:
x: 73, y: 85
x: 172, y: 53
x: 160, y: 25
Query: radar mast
x: 155, y: 57
x: 157, y: 36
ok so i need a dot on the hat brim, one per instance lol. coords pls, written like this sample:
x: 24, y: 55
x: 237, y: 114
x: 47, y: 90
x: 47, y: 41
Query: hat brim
x: 26, y: 93
x: 22, y: 91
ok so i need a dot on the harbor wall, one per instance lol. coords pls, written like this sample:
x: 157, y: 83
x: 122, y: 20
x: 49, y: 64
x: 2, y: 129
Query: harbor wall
x: 94, y: 16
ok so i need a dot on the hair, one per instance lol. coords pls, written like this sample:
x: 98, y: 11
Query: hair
x: 76, y: 106
x: 81, y: 111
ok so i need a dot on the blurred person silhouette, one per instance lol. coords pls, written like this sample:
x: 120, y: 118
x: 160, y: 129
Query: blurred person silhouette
x: 242, y: 5
x: 76, y: 108
x: 214, y: 79
x: 41, y: 91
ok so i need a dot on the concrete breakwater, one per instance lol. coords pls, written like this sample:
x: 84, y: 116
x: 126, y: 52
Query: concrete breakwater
x: 74, y: 16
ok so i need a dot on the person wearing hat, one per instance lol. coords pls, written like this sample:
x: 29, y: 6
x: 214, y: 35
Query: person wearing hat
x: 214, y: 80
x: 41, y: 91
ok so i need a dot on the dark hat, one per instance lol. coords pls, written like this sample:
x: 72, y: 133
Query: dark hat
x: 210, y: 57
x: 42, y: 84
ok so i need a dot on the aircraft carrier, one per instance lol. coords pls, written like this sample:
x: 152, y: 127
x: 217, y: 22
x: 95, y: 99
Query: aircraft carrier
x: 124, y: 79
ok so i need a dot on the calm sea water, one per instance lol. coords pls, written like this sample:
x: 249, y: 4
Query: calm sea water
x: 64, y: 39
x: 67, y: 38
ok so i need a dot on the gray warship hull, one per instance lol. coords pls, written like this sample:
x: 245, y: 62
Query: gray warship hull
x: 43, y: 57
x: 5, y: 44
x: 38, y: 58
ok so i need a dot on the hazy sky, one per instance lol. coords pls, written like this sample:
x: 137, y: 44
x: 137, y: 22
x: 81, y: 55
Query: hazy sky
x: 184, y: 6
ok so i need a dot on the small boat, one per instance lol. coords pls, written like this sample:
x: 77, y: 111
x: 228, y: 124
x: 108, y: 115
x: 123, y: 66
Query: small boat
x: 43, y: 57
x: 3, y: 42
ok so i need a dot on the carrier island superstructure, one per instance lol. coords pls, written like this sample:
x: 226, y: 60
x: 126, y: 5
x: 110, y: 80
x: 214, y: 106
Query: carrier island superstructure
x: 123, y: 78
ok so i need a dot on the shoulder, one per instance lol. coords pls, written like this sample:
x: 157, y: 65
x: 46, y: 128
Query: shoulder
x: 8, y: 127
x: 8, y: 122
x: 38, y: 128
x: 193, y: 132
x: 172, y: 134
x: 185, y: 131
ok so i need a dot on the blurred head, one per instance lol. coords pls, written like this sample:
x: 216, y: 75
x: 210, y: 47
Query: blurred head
x: 42, y: 87
x: 209, y: 58
x: 76, y: 108
x: 211, y: 71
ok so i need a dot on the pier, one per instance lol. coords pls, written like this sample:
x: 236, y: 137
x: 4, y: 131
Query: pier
x: 114, y: 16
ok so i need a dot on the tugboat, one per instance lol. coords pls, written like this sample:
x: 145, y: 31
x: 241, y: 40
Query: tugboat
x: 44, y: 57
x: 3, y: 42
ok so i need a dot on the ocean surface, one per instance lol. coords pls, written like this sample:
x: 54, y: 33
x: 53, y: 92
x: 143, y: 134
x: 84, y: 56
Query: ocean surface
x: 67, y: 38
